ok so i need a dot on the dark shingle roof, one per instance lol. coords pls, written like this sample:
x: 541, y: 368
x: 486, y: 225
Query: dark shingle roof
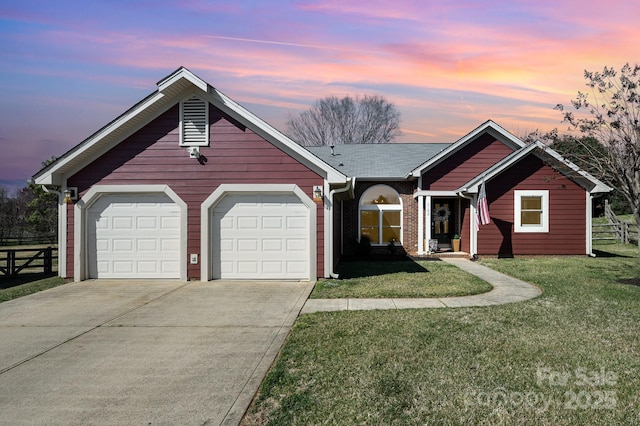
x: 391, y: 160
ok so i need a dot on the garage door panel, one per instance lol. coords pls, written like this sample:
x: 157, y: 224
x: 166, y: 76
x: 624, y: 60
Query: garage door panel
x: 150, y: 245
x: 138, y: 239
x: 272, y: 245
x: 122, y: 223
x: 272, y: 222
x: 248, y: 245
x: 256, y: 235
x: 296, y: 267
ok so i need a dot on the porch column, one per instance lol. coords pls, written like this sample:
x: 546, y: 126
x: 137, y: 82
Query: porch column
x: 420, y: 224
x: 427, y: 220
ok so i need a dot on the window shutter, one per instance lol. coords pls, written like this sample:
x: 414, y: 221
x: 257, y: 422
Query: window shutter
x: 194, y: 122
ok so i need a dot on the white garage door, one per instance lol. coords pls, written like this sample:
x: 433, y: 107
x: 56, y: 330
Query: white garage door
x: 134, y: 236
x: 260, y: 236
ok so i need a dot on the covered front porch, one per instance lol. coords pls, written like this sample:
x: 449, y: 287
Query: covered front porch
x: 442, y: 224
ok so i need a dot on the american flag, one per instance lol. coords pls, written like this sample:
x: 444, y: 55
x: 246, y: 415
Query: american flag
x: 483, y: 206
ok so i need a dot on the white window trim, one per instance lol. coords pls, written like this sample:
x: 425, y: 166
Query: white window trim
x: 206, y: 118
x: 517, y: 206
x: 381, y: 208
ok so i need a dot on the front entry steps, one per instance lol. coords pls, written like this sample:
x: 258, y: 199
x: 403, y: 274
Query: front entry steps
x: 442, y: 254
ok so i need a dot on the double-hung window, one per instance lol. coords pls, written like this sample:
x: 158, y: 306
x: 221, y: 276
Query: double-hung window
x: 380, y: 215
x: 531, y: 211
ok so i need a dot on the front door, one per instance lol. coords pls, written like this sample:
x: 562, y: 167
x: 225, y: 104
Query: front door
x: 442, y: 222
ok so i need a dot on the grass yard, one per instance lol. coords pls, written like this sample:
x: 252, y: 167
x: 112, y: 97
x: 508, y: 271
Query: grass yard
x: 24, y: 284
x: 29, y: 280
x: 401, y: 278
x: 567, y: 357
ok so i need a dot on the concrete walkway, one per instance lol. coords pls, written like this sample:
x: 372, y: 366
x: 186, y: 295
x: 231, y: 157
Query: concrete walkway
x: 505, y: 290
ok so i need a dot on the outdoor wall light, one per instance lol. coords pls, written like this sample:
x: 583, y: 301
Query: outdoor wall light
x: 70, y: 195
x: 317, y: 193
x: 194, y: 152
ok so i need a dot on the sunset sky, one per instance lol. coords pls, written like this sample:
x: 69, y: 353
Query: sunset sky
x: 67, y: 68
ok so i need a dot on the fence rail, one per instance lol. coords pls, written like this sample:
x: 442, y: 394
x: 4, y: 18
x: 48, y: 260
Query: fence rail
x: 616, y: 229
x: 13, y: 261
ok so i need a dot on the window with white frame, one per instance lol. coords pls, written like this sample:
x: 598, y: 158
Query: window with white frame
x: 194, y: 122
x: 531, y: 211
x: 380, y: 215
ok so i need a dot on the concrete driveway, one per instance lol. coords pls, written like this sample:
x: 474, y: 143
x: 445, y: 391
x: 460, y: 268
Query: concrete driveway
x: 141, y: 352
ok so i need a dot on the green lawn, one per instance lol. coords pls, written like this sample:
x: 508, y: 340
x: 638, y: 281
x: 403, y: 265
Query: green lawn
x: 30, y: 280
x: 569, y: 356
x: 24, y: 284
x: 422, y: 278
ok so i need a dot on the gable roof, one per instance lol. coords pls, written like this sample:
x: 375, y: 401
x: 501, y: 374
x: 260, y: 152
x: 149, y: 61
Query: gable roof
x: 170, y: 91
x: 488, y: 126
x: 377, y: 161
x: 551, y: 157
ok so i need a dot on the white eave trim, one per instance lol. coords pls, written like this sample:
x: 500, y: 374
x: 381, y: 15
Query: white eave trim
x: 539, y: 149
x: 180, y: 74
x: 489, y: 126
x: 268, y: 132
x: 53, y: 176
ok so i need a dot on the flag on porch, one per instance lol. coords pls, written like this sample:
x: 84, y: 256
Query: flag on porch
x: 483, y: 207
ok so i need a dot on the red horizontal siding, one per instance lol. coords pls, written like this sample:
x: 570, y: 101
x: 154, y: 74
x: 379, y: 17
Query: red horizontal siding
x: 464, y: 165
x: 235, y: 155
x: 567, y: 214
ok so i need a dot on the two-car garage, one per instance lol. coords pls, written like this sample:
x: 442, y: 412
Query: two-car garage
x: 246, y: 234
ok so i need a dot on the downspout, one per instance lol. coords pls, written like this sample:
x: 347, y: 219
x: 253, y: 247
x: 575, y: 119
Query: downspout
x: 589, y: 225
x: 349, y: 187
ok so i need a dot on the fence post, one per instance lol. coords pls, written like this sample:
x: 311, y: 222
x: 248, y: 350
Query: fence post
x: 48, y: 262
x: 626, y: 232
x: 11, y: 262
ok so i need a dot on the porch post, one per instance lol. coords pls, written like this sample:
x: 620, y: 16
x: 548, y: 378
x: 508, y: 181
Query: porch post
x: 420, y: 224
x: 427, y: 219
x: 473, y: 247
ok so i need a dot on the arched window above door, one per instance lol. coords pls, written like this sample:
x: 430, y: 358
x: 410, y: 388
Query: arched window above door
x: 380, y: 215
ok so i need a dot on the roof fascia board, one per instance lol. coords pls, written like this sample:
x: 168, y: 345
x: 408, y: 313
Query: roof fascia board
x: 182, y: 73
x: 473, y: 186
x: 53, y: 174
x: 488, y: 126
x: 56, y: 172
x: 543, y: 152
x: 263, y: 129
x: 598, y: 186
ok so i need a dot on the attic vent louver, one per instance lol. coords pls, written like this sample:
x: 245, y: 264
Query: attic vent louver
x: 194, y: 120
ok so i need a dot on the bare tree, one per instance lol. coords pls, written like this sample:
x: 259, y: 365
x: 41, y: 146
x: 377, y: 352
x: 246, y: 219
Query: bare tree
x: 610, y: 112
x: 332, y: 121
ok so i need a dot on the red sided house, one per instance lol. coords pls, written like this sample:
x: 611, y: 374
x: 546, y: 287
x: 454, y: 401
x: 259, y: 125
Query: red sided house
x: 187, y: 184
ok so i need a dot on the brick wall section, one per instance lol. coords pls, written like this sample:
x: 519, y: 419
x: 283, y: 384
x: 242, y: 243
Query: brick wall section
x: 409, y: 214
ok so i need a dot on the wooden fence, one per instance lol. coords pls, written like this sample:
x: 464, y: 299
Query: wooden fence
x: 616, y: 229
x: 14, y: 261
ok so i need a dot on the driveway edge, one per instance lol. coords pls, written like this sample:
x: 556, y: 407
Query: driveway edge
x: 252, y: 385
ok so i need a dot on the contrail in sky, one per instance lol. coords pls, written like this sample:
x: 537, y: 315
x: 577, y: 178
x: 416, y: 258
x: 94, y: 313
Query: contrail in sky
x: 282, y: 43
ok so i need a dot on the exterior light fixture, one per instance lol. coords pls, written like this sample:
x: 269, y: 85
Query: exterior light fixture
x: 317, y: 193
x: 70, y: 195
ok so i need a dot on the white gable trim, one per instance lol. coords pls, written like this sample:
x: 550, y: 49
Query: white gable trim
x: 170, y: 91
x: 489, y: 127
